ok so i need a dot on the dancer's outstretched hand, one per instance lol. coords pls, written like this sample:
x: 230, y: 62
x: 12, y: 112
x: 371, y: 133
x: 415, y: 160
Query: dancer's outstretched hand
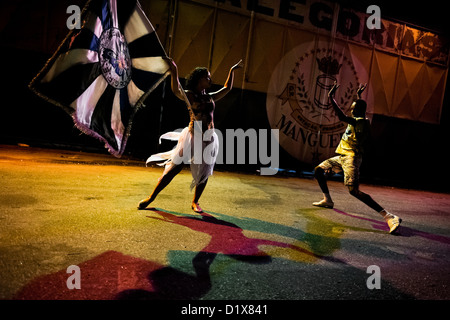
x: 240, y: 64
x: 333, y: 90
x: 361, y: 89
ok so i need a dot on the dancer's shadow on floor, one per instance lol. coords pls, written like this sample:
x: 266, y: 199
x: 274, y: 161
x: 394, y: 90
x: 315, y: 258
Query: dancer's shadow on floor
x: 169, y: 283
x: 402, y: 231
x: 226, y: 238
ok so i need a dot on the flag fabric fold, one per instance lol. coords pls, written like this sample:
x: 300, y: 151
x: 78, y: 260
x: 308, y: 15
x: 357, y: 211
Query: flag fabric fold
x: 102, y: 73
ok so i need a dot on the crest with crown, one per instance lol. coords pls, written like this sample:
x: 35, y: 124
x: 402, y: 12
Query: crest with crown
x: 329, y: 66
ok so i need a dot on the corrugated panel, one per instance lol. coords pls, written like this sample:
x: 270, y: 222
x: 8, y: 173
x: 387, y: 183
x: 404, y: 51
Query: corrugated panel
x: 230, y: 45
x: 192, y: 36
x: 383, y: 73
x: 436, y: 80
x: 266, y: 52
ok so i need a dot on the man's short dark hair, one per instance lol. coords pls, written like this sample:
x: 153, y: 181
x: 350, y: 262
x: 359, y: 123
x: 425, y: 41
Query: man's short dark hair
x: 360, y: 107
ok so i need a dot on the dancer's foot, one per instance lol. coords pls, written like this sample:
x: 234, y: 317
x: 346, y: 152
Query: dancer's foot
x: 144, y: 203
x: 324, y: 204
x: 196, y: 208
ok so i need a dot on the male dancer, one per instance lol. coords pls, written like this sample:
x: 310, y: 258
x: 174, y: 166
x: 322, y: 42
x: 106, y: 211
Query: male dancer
x: 350, y: 151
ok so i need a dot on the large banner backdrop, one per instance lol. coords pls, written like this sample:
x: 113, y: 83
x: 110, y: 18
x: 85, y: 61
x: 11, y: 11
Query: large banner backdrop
x: 295, y: 50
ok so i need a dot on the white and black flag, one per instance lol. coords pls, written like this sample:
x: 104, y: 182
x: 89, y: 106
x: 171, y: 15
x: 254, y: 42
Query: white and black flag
x: 102, y: 73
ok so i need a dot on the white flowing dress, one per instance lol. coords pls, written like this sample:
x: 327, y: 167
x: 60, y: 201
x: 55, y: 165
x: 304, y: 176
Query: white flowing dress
x: 201, y: 160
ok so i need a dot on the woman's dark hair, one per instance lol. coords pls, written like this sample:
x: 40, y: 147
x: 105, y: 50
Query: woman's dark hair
x: 193, y: 78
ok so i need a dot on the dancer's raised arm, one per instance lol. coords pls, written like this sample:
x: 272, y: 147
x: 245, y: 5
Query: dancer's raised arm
x: 175, y: 83
x: 228, y: 84
x: 341, y: 115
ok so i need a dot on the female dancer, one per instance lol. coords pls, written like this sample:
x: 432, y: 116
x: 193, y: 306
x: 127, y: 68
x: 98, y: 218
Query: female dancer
x: 201, y: 106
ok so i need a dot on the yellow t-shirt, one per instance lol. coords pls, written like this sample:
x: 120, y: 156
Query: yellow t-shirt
x: 354, y: 138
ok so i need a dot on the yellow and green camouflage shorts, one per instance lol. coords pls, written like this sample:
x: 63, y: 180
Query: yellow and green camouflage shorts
x: 347, y: 164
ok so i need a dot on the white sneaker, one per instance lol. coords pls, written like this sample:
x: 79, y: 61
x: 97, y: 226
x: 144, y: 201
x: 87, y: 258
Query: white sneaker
x: 324, y: 204
x: 393, y: 222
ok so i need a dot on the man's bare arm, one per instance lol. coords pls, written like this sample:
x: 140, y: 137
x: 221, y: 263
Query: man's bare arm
x: 341, y: 115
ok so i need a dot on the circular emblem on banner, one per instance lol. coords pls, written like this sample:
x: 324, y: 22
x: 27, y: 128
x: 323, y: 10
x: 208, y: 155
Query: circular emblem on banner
x: 297, y: 99
x: 114, y: 58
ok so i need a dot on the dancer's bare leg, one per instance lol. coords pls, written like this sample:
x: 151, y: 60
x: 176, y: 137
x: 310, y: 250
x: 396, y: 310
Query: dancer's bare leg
x: 198, y: 193
x: 162, y: 183
x: 364, y: 197
x: 392, y: 220
x: 326, y: 202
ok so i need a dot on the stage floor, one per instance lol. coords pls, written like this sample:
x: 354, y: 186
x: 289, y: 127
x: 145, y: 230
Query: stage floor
x: 259, y: 238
